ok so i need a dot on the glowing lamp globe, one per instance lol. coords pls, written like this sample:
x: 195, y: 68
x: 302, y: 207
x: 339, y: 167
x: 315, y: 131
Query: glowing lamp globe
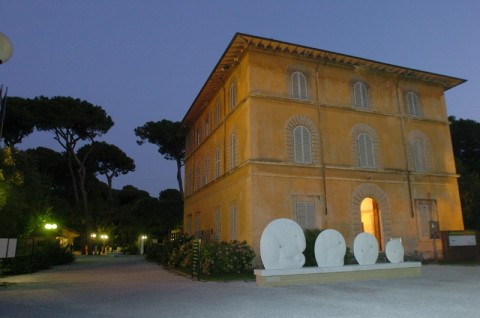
x: 6, y: 48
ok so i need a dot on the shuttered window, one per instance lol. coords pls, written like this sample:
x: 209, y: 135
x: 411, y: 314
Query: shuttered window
x: 233, y: 151
x: 302, y: 145
x: 217, y: 162
x: 217, y: 225
x: 299, y: 86
x: 233, y: 96
x: 420, y: 155
x: 365, y: 151
x: 305, y: 214
x: 233, y: 222
x: 413, y: 104
x: 360, y: 95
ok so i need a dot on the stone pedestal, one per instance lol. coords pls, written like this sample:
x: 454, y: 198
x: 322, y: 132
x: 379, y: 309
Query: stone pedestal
x: 325, y: 275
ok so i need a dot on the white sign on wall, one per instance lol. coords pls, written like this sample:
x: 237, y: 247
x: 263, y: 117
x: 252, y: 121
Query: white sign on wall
x: 462, y: 240
x: 8, y: 247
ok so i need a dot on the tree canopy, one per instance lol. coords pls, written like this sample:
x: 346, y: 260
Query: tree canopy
x: 466, y: 148
x: 170, y: 144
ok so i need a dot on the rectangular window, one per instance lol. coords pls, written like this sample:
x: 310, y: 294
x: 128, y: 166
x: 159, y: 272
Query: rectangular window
x: 217, y: 162
x: 305, y: 214
x: 207, y: 169
x: 233, y: 222
x: 198, y: 181
x: 218, y: 113
x: 217, y: 225
x: 198, y: 226
x: 233, y: 96
x: 207, y: 125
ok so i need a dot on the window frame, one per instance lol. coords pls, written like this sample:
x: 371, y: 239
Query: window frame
x: 232, y: 98
x: 413, y: 104
x: 365, y: 151
x: 299, y: 85
x: 305, y: 214
x: 302, y: 149
x: 360, y: 93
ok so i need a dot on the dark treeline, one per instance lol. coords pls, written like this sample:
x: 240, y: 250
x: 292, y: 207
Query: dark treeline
x: 73, y: 187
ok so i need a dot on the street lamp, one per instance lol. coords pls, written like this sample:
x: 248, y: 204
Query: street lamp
x: 104, y: 237
x: 142, y: 240
x: 6, y: 48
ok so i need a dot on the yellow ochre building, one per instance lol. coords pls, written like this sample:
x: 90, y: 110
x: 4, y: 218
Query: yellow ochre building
x: 281, y: 130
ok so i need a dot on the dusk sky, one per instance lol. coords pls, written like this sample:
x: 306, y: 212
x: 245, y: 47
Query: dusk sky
x: 147, y: 60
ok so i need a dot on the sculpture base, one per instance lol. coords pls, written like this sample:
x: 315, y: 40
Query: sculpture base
x: 325, y: 275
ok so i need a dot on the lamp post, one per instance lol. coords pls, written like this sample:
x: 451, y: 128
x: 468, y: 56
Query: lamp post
x: 6, y: 48
x: 104, y: 237
x: 142, y: 243
x: 51, y: 228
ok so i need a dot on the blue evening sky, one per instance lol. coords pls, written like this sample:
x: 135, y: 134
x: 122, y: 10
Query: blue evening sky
x: 147, y: 60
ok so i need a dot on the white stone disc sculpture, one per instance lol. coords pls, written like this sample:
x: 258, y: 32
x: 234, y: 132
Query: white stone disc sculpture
x: 394, y: 251
x: 365, y: 249
x: 282, y: 244
x: 330, y: 248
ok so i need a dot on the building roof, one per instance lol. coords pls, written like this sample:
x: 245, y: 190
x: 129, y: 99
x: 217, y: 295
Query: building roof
x: 241, y: 41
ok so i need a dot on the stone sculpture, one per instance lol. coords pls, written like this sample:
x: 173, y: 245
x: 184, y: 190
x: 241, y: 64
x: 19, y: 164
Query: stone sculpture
x: 282, y: 244
x: 330, y: 249
x: 365, y: 249
x: 394, y: 251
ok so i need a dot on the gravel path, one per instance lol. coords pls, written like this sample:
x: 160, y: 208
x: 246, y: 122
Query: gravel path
x: 99, y: 286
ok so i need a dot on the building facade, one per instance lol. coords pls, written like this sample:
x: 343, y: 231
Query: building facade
x: 281, y: 130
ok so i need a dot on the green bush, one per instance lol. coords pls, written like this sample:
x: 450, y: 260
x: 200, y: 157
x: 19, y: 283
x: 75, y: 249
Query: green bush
x: 226, y: 257
x: 310, y: 238
x: 160, y: 253
x: 215, y: 257
x: 45, y: 255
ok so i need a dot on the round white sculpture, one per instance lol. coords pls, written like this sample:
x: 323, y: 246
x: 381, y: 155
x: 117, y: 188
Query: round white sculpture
x: 394, y: 251
x: 282, y: 244
x: 365, y: 249
x: 330, y: 249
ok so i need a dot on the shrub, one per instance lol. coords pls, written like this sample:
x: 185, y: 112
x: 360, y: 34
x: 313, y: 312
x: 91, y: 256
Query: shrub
x: 310, y: 238
x: 45, y: 255
x: 226, y: 257
x: 161, y: 252
x: 215, y: 257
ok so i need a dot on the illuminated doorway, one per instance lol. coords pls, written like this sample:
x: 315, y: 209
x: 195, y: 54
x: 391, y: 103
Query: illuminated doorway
x: 371, y: 219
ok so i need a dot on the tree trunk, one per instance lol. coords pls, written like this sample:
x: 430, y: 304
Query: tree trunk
x: 179, y: 177
x: 74, y: 181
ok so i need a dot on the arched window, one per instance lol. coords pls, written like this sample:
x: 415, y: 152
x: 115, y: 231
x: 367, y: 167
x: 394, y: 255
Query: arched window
x: 366, y: 157
x: 360, y: 95
x: 218, y: 113
x: 217, y: 162
x: 299, y: 86
x: 302, y: 145
x: 198, y: 179
x: 419, y: 151
x: 233, y: 96
x: 233, y: 151
x: 413, y: 104
x: 420, y: 155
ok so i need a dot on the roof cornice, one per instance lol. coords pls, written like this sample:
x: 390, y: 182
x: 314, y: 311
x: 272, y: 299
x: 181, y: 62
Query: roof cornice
x: 241, y: 41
